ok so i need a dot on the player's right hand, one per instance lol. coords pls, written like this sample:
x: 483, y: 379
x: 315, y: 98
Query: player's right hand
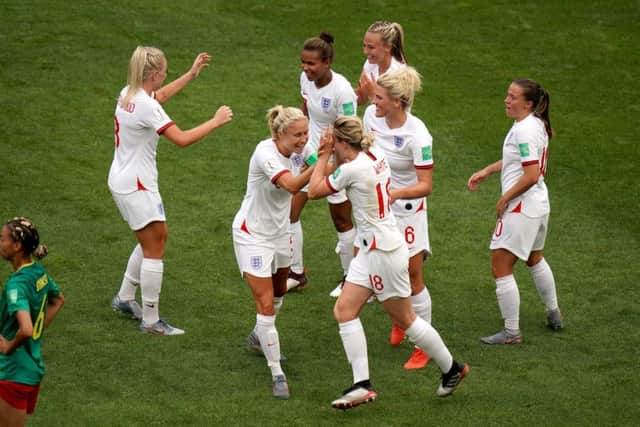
x: 223, y: 116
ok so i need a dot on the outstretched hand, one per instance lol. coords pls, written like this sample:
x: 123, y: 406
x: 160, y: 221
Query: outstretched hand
x: 475, y: 180
x: 201, y: 61
x: 223, y: 116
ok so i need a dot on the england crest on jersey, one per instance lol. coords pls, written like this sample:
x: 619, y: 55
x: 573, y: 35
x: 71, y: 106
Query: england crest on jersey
x: 398, y: 141
x: 325, y: 103
x: 256, y: 262
x: 297, y: 160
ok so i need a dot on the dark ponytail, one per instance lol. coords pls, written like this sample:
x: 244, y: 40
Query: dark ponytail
x: 24, y: 231
x: 532, y: 91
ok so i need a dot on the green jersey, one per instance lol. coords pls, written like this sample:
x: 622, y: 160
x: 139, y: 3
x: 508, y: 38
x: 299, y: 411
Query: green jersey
x: 27, y: 289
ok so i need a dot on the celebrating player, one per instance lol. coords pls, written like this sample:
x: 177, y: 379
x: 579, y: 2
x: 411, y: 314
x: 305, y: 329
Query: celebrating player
x: 523, y: 209
x: 407, y: 147
x: 133, y: 177
x: 381, y: 265
x: 30, y: 301
x: 261, y: 237
x: 326, y: 95
x: 383, y: 46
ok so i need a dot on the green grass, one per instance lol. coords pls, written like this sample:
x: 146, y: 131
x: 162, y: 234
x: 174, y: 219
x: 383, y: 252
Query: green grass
x: 62, y: 65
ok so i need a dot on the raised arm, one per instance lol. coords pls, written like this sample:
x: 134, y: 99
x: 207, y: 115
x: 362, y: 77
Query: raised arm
x: 166, y: 92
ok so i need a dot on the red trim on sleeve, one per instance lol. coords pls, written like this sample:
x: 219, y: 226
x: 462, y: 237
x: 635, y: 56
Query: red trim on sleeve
x: 278, y: 175
x: 141, y: 186
x: 326, y: 179
x: 371, y: 156
x: 165, y: 127
x: 424, y: 166
x: 530, y: 162
x: 244, y: 228
x: 518, y: 208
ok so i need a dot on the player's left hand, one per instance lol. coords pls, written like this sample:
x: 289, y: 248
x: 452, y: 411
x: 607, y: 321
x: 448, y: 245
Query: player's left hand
x: 201, y: 61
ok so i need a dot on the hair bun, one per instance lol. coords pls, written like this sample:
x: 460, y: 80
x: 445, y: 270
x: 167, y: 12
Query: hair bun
x: 327, y: 37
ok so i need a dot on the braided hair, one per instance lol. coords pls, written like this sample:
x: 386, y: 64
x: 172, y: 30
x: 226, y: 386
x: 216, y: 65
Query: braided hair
x: 23, y: 230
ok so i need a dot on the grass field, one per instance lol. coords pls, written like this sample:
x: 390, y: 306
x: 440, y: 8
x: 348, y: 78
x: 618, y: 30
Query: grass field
x: 62, y: 65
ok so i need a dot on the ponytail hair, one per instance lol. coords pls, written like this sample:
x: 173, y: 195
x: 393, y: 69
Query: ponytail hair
x: 533, y: 91
x: 392, y: 34
x: 323, y: 44
x: 280, y: 118
x: 143, y: 62
x: 402, y: 84
x: 349, y: 129
x: 24, y: 231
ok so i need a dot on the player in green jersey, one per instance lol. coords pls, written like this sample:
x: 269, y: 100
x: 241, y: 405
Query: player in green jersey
x: 29, y: 302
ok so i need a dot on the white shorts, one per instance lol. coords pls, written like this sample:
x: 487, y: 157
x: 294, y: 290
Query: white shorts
x: 386, y: 273
x: 520, y: 234
x: 140, y: 208
x: 415, y: 230
x: 259, y: 257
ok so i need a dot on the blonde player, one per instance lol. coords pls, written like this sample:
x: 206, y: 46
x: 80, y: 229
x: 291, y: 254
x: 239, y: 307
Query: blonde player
x: 383, y: 45
x: 326, y: 95
x: 523, y: 209
x: 133, y: 177
x: 407, y: 146
x: 381, y: 265
x: 261, y: 229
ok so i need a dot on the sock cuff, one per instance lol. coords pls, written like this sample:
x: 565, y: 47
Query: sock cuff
x: 415, y: 326
x: 420, y: 298
x: 347, y: 236
x: 542, y: 265
x: 152, y: 264
x: 263, y: 320
x: 351, y: 325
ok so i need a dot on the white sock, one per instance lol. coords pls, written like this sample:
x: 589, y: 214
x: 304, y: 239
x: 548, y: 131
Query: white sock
x: 297, y: 240
x: 344, y: 248
x: 277, y: 304
x: 509, y: 302
x: 546, y: 285
x: 422, y: 304
x: 270, y: 342
x: 355, y: 347
x: 428, y: 339
x: 150, y: 285
x: 131, y: 278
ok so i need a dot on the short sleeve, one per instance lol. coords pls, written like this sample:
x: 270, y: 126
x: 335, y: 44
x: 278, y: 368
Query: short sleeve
x: 421, y: 151
x: 16, y: 298
x: 269, y: 165
x: 54, y: 290
x: 347, y: 102
x: 526, y: 142
x: 339, y: 179
x: 155, y: 117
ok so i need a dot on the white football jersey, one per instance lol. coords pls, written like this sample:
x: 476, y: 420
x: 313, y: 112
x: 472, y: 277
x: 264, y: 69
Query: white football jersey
x: 526, y: 144
x: 138, y: 127
x: 265, y: 208
x: 325, y: 104
x: 373, y: 69
x: 366, y: 179
x: 406, y: 149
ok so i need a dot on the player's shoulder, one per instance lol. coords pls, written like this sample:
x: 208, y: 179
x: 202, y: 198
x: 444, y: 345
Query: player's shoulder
x: 341, y: 82
x: 531, y: 126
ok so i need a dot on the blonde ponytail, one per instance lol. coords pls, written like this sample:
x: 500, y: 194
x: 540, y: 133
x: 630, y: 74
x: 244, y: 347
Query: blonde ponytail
x: 143, y: 62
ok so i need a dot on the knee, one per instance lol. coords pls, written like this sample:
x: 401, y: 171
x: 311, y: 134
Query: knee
x: 341, y: 313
